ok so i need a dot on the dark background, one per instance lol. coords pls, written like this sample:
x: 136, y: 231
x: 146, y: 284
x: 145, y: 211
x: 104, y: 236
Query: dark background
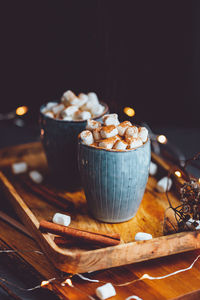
x: 143, y: 54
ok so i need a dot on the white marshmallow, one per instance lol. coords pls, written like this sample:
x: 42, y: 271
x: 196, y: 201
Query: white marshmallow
x: 92, y: 124
x: 120, y: 145
x: 68, y: 95
x: 93, y: 99
x: 131, y: 131
x: 111, y: 119
x: 68, y: 118
x: 50, y: 105
x: 107, y: 143
x: 36, y: 176
x: 77, y: 102
x: 123, y: 126
x: 105, y: 291
x: 57, y: 109
x: 164, y: 184
x: 82, y: 115
x: 20, y: 167
x: 153, y: 168
x: 190, y: 221
x: 49, y: 114
x: 61, y: 219
x: 134, y: 142
x: 92, y: 103
x: 87, y: 137
x: 97, y: 109
x: 143, y: 134
x: 83, y: 96
x: 96, y: 134
x: 108, y: 131
x: 69, y: 111
x: 143, y: 236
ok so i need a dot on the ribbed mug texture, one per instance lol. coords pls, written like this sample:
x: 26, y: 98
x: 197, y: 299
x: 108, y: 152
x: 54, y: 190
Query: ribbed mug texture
x: 114, y: 181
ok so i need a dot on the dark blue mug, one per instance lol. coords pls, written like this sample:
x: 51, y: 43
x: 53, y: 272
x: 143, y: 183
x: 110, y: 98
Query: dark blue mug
x: 59, y: 139
x: 114, y: 181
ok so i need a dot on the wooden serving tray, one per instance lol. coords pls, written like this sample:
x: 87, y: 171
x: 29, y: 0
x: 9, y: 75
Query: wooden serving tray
x: 30, y: 201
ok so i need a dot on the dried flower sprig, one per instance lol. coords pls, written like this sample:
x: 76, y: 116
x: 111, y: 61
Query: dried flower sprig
x: 187, y: 214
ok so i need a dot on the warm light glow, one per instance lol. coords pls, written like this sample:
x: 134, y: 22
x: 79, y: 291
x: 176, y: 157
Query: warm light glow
x: 162, y: 139
x: 178, y: 173
x: 145, y: 276
x: 43, y: 283
x: 42, y: 131
x: 129, y: 111
x: 21, y: 110
x: 67, y: 281
x: 199, y: 180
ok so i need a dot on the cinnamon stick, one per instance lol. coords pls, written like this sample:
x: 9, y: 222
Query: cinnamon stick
x: 81, y: 235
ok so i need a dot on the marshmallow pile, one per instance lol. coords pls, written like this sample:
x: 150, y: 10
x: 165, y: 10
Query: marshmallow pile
x: 74, y: 108
x: 113, y: 135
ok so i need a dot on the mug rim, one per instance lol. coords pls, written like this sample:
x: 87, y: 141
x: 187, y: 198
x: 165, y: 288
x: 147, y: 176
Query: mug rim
x: 78, y: 121
x: 113, y: 150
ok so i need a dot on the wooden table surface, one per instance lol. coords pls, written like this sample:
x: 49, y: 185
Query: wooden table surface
x: 34, y: 267
x: 39, y: 268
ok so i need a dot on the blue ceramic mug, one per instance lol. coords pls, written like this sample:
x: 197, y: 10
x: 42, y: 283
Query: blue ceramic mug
x: 114, y: 181
x: 59, y: 139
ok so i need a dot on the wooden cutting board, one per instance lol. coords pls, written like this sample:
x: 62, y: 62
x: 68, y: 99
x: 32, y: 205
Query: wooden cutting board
x: 31, y: 203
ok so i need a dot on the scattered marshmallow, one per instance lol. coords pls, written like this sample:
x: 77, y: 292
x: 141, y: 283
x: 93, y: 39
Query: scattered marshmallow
x: 87, y: 137
x: 105, y: 291
x: 122, y: 127
x: 164, y: 184
x: 134, y: 142
x: 61, y: 219
x: 143, y: 134
x: 131, y: 131
x: 120, y: 145
x: 111, y: 119
x: 190, y: 221
x: 108, y: 131
x: 36, y: 176
x: 153, y: 168
x: 57, y: 108
x: 20, y: 167
x: 107, y: 143
x: 97, y: 134
x: 92, y: 124
x: 143, y: 236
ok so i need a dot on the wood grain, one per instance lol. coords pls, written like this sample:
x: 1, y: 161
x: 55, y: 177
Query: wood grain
x: 149, y: 218
x: 169, y: 288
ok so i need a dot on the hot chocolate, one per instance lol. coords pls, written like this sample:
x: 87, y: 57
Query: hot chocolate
x: 75, y: 108
x: 113, y: 135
